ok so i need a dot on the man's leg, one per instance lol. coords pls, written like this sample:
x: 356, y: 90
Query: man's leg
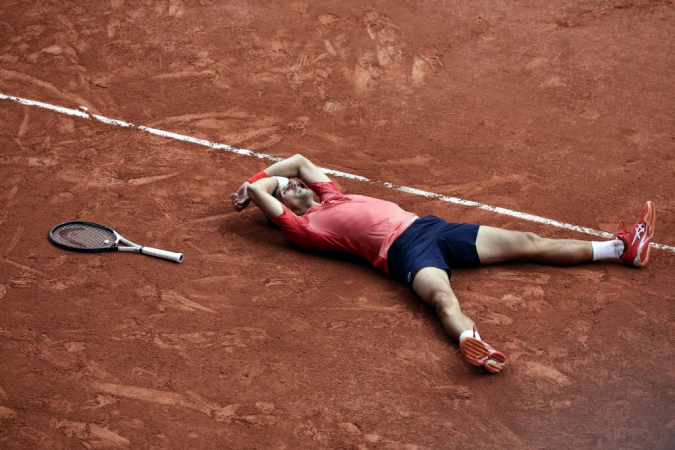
x: 495, y: 245
x: 433, y: 286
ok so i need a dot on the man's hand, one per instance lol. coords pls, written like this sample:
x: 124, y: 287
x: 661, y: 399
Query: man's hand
x: 295, y: 166
x: 240, y: 199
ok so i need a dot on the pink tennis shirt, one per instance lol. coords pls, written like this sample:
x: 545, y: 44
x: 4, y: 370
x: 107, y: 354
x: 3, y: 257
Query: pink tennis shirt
x: 364, y: 226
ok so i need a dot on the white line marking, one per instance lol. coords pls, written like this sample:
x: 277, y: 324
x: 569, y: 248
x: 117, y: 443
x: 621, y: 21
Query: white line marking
x: 23, y: 101
x: 245, y: 152
x: 110, y: 121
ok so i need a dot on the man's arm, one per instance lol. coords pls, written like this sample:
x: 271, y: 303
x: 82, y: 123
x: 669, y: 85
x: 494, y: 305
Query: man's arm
x: 260, y: 193
x: 297, y: 166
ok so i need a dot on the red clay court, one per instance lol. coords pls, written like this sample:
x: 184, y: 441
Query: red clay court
x: 562, y: 110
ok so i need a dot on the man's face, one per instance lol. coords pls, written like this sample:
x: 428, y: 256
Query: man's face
x: 295, y: 195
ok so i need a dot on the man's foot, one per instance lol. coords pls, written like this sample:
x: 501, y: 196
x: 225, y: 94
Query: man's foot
x: 480, y: 353
x: 637, y: 239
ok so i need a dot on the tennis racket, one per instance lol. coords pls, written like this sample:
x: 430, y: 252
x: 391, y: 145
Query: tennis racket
x: 93, y: 237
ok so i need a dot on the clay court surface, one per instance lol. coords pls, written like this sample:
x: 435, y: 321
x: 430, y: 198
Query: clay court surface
x: 560, y: 109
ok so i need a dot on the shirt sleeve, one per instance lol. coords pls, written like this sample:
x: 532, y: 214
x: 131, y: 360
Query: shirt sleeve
x: 325, y: 190
x: 293, y: 226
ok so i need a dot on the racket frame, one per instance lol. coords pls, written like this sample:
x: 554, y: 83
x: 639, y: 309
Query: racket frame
x: 131, y: 247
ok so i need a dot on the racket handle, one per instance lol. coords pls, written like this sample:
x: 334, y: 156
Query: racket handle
x: 171, y: 256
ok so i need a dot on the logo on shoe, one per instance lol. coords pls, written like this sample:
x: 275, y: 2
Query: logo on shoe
x: 639, y: 230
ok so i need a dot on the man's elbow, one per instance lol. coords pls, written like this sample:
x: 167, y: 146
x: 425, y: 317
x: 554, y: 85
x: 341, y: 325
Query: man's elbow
x: 300, y: 159
x: 302, y: 163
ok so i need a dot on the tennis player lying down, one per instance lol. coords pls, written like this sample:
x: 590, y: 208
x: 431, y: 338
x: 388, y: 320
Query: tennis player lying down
x: 419, y: 251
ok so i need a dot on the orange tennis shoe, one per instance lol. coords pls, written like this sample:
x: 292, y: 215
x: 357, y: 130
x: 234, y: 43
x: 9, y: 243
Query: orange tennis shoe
x: 480, y: 353
x: 636, y: 241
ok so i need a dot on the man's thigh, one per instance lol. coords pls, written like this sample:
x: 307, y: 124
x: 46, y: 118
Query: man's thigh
x: 496, y: 245
x: 429, y: 281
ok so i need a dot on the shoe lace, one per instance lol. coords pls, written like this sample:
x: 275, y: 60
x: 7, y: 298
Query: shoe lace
x: 623, y: 226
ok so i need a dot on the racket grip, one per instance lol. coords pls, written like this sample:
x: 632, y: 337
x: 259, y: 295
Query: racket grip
x: 171, y: 256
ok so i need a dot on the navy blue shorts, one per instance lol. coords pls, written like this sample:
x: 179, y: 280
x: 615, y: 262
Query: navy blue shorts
x: 432, y: 242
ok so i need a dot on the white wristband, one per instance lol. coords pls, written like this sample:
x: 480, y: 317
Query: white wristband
x: 283, y: 182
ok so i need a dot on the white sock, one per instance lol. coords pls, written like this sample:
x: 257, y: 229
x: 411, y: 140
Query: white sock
x: 468, y: 333
x: 607, y: 250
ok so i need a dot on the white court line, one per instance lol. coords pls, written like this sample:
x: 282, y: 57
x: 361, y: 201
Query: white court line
x: 241, y: 151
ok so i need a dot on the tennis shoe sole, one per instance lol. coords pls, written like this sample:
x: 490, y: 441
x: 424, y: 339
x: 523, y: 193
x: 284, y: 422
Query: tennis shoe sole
x: 480, y: 353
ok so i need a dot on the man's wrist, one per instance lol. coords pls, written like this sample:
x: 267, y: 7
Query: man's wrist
x: 257, y: 176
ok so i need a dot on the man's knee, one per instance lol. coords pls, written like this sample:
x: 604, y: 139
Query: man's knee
x: 531, y: 243
x: 445, y: 303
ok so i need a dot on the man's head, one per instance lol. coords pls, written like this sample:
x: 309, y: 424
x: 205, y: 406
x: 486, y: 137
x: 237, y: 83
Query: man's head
x: 295, y: 196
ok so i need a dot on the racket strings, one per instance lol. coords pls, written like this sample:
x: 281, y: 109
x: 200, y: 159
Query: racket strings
x: 84, y: 236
